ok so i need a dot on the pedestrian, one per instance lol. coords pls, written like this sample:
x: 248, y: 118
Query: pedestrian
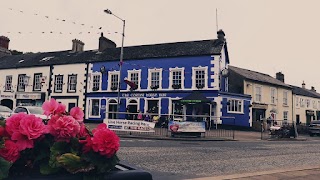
x: 140, y: 115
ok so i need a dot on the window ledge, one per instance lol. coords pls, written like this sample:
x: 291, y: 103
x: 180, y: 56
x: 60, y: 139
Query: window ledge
x: 233, y: 112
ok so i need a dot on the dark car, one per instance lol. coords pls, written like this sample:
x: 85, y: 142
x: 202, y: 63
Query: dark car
x: 314, y: 128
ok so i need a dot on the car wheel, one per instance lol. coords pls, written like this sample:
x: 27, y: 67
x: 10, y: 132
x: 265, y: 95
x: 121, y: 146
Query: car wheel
x: 311, y: 134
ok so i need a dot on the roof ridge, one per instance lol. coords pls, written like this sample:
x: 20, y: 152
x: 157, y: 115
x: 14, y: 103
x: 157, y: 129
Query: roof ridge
x: 254, y: 71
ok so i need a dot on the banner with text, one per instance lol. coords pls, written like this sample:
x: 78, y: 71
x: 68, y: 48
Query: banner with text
x: 130, y: 125
x: 175, y: 126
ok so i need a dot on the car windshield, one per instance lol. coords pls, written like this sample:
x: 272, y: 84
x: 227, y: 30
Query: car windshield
x: 35, y: 110
x: 5, y: 109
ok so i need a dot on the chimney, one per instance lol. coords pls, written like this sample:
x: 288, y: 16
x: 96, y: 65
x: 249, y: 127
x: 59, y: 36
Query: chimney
x: 280, y: 76
x: 77, y: 45
x: 4, y: 46
x: 221, y: 35
x: 313, y: 89
x: 105, y: 43
x: 303, y: 85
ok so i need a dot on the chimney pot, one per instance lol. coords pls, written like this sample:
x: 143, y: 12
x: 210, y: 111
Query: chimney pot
x: 313, y: 89
x: 77, y: 45
x: 221, y: 35
x: 303, y: 85
x: 280, y: 76
x: 4, y: 46
x: 105, y: 43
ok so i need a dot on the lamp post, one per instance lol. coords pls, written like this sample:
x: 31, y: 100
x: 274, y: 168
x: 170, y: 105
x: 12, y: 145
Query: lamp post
x: 121, y: 57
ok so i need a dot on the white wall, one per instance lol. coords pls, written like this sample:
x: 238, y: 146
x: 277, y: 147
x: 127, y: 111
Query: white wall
x: 249, y: 88
x: 65, y: 96
x: 301, y: 110
x: 29, y: 88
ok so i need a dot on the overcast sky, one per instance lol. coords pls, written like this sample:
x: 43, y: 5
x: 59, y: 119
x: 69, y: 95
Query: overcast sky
x: 263, y: 35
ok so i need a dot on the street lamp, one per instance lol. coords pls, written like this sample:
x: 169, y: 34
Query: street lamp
x: 121, y: 57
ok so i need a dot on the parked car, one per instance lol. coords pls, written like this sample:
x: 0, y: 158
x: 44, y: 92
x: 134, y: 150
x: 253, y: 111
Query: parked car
x: 5, y: 112
x: 314, y: 128
x: 37, y: 111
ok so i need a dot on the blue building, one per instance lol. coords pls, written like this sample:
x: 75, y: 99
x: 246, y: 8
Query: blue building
x: 154, y: 78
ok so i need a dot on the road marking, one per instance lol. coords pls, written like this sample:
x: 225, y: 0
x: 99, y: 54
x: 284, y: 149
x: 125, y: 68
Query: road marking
x: 135, y: 140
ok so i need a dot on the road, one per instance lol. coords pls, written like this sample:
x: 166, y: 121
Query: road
x: 173, y: 160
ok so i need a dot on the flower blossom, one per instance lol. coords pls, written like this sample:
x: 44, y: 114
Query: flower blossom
x: 77, y: 114
x: 10, y: 151
x: 63, y: 127
x: 105, y: 141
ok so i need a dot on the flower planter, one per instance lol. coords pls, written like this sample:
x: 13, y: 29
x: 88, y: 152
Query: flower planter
x: 121, y: 172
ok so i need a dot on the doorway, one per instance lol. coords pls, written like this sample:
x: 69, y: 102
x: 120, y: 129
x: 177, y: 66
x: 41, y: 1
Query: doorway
x: 133, y: 108
x: 112, y: 108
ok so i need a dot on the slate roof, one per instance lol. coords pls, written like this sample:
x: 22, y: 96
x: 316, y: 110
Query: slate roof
x: 304, y: 92
x: 190, y: 48
x: 257, y: 76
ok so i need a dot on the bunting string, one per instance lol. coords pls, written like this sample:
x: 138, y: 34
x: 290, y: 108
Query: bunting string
x: 64, y: 20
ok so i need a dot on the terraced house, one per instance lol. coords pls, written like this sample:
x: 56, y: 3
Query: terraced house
x: 271, y: 97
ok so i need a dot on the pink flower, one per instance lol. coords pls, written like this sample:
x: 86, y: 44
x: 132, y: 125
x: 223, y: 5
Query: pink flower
x: 61, y: 109
x: 63, y: 127
x: 49, y: 107
x: 105, y: 141
x: 13, y: 123
x: 10, y: 151
x: 84, y: 132
x: 77, y: 114
x: 30, y: 129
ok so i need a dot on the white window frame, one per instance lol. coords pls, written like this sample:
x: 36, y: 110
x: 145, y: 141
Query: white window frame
x: 301, y: 102
x: 110, y: 73
x: 8, y: 84
x: 138, y: 71
x: 70, y: 77
x: 21, y: 84
x: 93, y: 75
x: 285, y: 98
x: 285, y: 115
x: 255, y: 94
x: 273, y: 95
x: 200, y: 68
x: 37, y: 82
x: 314, y: 104
x: 56, y: 84
x: 90, y: 108
x: 308, y: 103
x: 171, y: 70
x: 238, y: 109
x: 297, y: 102
x: 150, y: 71
x: 146, y: 108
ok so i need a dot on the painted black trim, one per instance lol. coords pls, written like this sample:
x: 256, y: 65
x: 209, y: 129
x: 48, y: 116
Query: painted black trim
x: 24, y: 86
x: 85, y: 90
x: 71, y: 75
x: 54, y: 88
x: 34, y: 81
x: 50, y: 82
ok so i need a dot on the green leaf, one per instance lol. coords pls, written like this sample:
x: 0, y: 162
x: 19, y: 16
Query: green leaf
x: 74, y: 164
x: 4, y: 168
x: 46, y: 169
x: 102, y: 164
x: 57, y: 149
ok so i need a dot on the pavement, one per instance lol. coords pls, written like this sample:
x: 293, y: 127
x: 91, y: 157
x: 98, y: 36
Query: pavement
x: 305, y: 173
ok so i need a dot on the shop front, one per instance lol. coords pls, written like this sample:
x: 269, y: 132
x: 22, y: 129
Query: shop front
x: 6, y: 100
x: 310, y: 116
x: 30, y: 99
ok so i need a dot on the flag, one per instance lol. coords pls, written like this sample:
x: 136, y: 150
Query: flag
x: 132, y: 85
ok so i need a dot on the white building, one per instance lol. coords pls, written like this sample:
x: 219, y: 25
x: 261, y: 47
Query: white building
x: 306, y: 104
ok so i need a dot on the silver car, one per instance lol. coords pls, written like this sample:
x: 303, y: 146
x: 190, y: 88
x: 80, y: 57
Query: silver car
x: 5, y: 112
x: 314, y: 128
x: 37, y: 111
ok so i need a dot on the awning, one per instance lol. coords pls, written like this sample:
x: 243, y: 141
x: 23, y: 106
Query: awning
x: 193, y: 98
